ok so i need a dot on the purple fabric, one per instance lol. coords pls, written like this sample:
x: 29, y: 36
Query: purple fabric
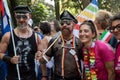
x: 117, y: 62
x: 103, y: 53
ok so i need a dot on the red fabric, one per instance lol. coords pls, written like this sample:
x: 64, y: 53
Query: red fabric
x: 2, y: 8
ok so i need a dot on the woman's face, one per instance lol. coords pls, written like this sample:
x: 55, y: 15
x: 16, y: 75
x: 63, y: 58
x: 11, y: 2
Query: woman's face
x: 85, y: 34
x: 116, y: 26
x: 52, y: 26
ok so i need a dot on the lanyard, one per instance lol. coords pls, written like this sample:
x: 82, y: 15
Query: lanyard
x: 72, y: 51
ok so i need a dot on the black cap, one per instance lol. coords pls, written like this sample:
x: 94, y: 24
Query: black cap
x: 67, y: 15
x: 22, y: 9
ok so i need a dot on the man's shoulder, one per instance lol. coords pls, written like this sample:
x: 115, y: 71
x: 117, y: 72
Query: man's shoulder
x: 6, y: 38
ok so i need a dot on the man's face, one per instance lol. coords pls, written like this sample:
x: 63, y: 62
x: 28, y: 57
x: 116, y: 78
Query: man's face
x: 22, y: 19
x: 67, y: 26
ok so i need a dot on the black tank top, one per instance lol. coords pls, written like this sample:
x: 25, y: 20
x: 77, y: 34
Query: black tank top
x: 26, y: 48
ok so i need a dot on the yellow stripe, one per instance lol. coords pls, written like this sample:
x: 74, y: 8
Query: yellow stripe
x: 89, y: 15
x: 63, y: 56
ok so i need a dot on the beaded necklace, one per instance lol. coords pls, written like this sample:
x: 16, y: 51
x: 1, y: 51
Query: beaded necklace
x: 89, y: 63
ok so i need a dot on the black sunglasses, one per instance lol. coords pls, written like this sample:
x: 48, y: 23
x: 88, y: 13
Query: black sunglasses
x: 19, y: 16
x: 68, y: 22
x: 112, y: 28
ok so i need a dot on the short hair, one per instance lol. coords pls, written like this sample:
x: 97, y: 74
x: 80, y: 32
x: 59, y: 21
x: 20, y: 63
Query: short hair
x: 45, y: 27
x: 115, y: 17
x: 36, y: 28
x: 103, y: 17
x: 56, y: 25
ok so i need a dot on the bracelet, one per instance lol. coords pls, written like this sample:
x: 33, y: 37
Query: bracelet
x: 6, y: 59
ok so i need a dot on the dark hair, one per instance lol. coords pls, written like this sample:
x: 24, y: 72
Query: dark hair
x: 45, y: 27
x: 92, y: 27
x: 115, y: 17
x: 56, y: 25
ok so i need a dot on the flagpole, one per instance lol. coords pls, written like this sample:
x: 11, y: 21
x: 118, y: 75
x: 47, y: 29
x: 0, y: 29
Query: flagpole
x: 17, y: 66
x: 9, y: 20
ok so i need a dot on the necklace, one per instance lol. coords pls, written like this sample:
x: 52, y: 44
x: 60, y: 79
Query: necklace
x: 89, y: 63
x: 23, y: 37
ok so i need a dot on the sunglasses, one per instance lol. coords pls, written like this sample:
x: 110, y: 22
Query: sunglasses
x: 19, y: 16
x: 68, y: 22
x: 111, y: 29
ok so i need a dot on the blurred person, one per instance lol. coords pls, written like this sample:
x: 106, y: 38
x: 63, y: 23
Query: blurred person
x: 30, y: 22
x: 55, y: 27
x: 66, y: 51
x: 98, y: 56
x: 45, y: 28
x: 115, y: 30
x: 102, y: 22
x: 26, y: 44
x: 38, y: 31
x: 37, y: 64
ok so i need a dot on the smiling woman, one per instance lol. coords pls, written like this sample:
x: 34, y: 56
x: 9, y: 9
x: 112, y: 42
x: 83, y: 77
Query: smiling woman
x: 97, y: 64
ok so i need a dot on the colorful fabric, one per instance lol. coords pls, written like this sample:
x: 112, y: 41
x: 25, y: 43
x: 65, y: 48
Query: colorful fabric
x: 5, y: 27
x: 6, y: 18
x: 89, y: 13
x: 103, y: 53
x: 105, y: 36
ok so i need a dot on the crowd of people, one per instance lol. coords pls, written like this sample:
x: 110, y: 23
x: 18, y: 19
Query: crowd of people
x: 50, y: 51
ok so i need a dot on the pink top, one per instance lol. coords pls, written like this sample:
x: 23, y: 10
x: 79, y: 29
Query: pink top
x: 103, y: 53
x: 117, y: 62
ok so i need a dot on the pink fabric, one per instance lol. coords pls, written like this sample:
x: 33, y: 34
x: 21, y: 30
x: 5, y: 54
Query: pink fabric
x: 117, y: 63
x: 103, y: 53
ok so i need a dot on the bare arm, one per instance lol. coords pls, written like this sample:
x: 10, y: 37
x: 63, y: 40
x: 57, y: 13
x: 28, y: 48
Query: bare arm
x: 39, y: 56
x: 4, y: 44
x: 110, y: 69
x: 3, y: 47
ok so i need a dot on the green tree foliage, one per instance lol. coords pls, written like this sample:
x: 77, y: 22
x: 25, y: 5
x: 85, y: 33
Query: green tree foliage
x: 39, y: 13
x: 43, y: 11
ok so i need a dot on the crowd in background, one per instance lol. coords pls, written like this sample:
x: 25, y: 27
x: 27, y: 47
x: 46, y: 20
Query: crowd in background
x: 70, y: 57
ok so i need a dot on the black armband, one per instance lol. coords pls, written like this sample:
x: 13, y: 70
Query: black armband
x: 6, y: 58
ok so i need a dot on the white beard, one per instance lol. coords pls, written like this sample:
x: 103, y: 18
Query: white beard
x: 22, y: 26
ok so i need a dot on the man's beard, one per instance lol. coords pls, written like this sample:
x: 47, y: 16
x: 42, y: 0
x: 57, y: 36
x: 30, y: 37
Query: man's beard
x: 22, y: 26
x: 66, y: 31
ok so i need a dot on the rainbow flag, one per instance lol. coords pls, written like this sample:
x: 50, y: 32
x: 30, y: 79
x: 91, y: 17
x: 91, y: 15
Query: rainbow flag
x: 89, y: 13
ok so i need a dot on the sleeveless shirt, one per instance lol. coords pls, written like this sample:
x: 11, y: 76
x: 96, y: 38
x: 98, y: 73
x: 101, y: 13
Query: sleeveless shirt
x: 26, y: 49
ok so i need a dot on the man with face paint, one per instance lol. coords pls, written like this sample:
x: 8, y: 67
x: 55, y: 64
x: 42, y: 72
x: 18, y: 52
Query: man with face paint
x: 26, y: 44
x: 66, y: 51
